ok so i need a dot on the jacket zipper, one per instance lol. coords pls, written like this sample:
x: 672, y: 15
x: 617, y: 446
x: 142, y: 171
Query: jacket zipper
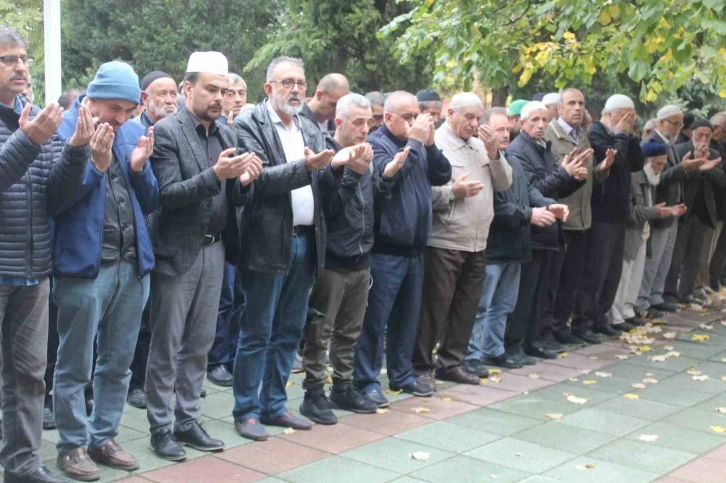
x: 29, y: 271
x: 363, y: 218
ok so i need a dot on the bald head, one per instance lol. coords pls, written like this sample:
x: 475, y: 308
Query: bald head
x: 330, y: 89
x: 333, y: 82
x: 397, y: 99
x: 399, y: 112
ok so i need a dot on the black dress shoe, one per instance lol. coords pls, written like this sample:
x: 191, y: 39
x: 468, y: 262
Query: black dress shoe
x: 197, y: 437
x: 166, y: 447
x: 551, y: 345
x: 415, y: 388
x: 288, y: 420
x: 459, y: 375
x: 666, y: 307
x: 348, y: 398
x: 48, y: 420
x: 607, y: 330
x: 636, y: 321
x: 317, y: 408
x: 652, y: 313
x: 568, y: 339
x: 541, y: 353
x: 220, y: 376
x: 502, y: 361
x: 623, y: 327
x: 587, y: 336
x: 476, y: 367
x: 41, y: 475
x: 519, y: 357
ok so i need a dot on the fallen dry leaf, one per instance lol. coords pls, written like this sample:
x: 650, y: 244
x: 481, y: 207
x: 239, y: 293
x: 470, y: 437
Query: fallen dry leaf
x: 639, y: 385
x: 586, y: 467
x: 585, y: 371
x: 589, y: 382
x: 421, y: 410
x: 674, y: 354
x: 392, y: 392
x: 329, y: 380
x: 630, y: 395
x: 562, y: 355
x: 657, y: 322
x: 493, y: 477
x: 555, y: 416
x: 518, y: 454
x: 701, y: 378
x: 289, y: 383
x: 495, y: 371
x: 590, y: 466
x: 594, y: 358
x: 721, y: 410
x: 288, y: 431
x: 574, y: 379
x: 718, y: 429
x: 446, y: 399
x: 697, y: 308
x: 603, y: 374
x: 723, y: 378
x: 705, y: 326
x: 382, y: 410
x: 482, y: 380
x: 495, y: 379
x: 646, y: 348
x: 668, y: 347
x: 534, y: 375
x: 661, y: 358
x: 420, y: 455
x: 648, y: 438
x: 694, y: 372
x: 650, y: 380
x: 670, y: 335
x: 621, y: 357
x: 700, y: 337
x: 576, y: 400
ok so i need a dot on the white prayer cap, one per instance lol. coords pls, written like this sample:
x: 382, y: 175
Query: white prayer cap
x: 465, y: 99
x: 208, y: 62
x: 552, y: 98
x: 530, y: 107
x: 618, y: 101
x: 668, y: 111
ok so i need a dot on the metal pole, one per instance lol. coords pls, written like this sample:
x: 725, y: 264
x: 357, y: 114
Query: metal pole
x: 52, y: 37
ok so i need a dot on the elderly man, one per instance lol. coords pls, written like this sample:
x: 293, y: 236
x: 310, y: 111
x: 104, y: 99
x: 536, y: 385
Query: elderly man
x: 665, y: 231
x: 565, y: 134
x: 38, y: 175
x: 283, y: 242
x: 642, y: 210
x: 553, y: 102
x: 200, y: 176
x: 158, y: 95
x: 377, y: 100
x: 716, y: 267
x: 397, y: 263
x: 320, y: 108
x: 611, y: 137
x: 508, y: 245
x: 698, y: 196
x: 107, y: 262
x: 455, y: 260
x: 235, y: 99
x: 515, y: 113
x: 340, y: 295
x: 429, y: 102
x: 552, y: 181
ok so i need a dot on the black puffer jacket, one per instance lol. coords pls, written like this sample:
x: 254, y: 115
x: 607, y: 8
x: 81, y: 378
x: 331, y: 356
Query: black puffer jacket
x: 551, y: 180
x: 34, y: 180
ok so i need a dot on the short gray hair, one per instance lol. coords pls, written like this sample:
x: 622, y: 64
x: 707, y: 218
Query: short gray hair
x: 235, y: 78
x: 11, y: 37
x: 650, y: 124
x: 718, y: 119
x: 494, y: 111
x: 282, y: 60
x: 423, y: 105
x: 352, y: 99
x: 376, y: 98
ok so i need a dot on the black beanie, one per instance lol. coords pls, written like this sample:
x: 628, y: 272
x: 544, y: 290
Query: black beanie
x: 152, y: 76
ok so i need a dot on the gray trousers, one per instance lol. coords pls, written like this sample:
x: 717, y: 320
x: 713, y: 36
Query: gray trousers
x: 183, y: 323
x: 686, y: 259
x: 662, y: 243
x: 24, y: 316
x: 341, y: 296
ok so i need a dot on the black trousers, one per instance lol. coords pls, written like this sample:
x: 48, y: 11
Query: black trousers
x: 523, y: 324
x: 716, y: 268
x: 141, y: 354
x: 686, y: 259
x: 605, y: 245
x: 570, y: 268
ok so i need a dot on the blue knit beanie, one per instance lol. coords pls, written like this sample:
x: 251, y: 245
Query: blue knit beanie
x: 115, y: 80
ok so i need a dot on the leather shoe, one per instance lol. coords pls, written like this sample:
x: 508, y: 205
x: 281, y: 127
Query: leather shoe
x: 588, y: 336
x: 519, y: 357
x: 197, y: 437
x: 666, y: 307
x: 457, y: 374
x: 166, y: 447
x: 568, y: 339
x: 317, y: 408
x: 220, y: 376
x: 623, y: 326
x: 78, y: 465
x: 111, y: 454
x: 607, y: 330
x: 541, y: 353
x: 374, y: 394
x: 652, y: 313
x: 48, y: 419
x: 636, y: 321
x: 288, y: 420
x: 476, y: 367
x: 502, y: 361
x: 251, y: 428
x: 41, y: 475
x: 415, y: 388
x: 136, y: 398
x: 552, y: 345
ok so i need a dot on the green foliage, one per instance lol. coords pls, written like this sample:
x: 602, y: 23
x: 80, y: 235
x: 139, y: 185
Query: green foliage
x: 27, y: 17
x: 660, y: 44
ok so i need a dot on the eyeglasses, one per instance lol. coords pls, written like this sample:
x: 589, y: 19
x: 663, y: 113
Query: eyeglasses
x: 289, y: 83
x: 378, y: 117
x: 12, y: 60
x: 406, y: 117
x: 676, y: 124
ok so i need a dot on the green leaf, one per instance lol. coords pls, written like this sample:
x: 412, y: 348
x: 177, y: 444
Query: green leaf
x: 718, y: 25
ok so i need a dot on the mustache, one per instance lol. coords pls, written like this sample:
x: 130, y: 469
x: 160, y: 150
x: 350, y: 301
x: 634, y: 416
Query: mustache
x: 18, y: 77
x: 216, y: 104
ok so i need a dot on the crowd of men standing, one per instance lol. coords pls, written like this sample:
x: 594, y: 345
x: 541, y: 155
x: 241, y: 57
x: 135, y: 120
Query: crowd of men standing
x: 189, y: 234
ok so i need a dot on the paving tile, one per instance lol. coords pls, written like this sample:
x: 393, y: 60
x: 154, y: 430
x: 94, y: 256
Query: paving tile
x: 638, y: 408
x: 134, y: 479
x: 521, y: 455
x: 713, y: 340
x: 718, y: 454
x: 271, y: 479
x: 668, y: 479
x: 628, y: 369
x: 127, y: 434
x: 694, y: 349
x: 217, y: 405
x: 604, y: 422
x: 672, y: 394
x: 332, y: 469
x: 601, y: 472
x: 462, y: 469
x: 438, y: 408
x: 698, y: 420
x: 272, y: 456
x: 395, y: 455
x: 615, y: 385
x: 714, y: 385
x: 406, y: 479
x: 680, y: 438
x: 493, y: 421
x: 702, y: 470
x: 715, y: 369
x: 539, y: 479
x: 549, y: 372
x: 136, y: 420
x: 642, y: 456
x: 148, y: 461
x: 557, y: 393
x: 676, y: 364
x: 578, y: 361
x: 449, y: 437
x: 482, y: 395
x: 565, y: 437
x: 226, y: 432
x: 718, y: 357
x: 519, y: 384
x: 534, y: 406
x: 390, y: 423
x: 333, y: 439
x: 711, y: 404
x: 201, y: 470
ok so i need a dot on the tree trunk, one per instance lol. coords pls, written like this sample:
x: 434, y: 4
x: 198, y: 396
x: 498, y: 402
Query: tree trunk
x: 499, y: 96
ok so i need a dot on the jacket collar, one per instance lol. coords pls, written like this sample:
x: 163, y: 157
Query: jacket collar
x: 536, y: 144
x: 386, y: 132
x: 188, y: 126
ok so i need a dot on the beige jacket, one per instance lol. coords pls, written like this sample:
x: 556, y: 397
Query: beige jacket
x: 580, y: 218
x: 464, y: 224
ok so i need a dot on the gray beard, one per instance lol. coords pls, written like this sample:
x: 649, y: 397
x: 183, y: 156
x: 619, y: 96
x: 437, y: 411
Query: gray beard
x: 653, y: 179
x: 159, y: 112
x: 282, y: 105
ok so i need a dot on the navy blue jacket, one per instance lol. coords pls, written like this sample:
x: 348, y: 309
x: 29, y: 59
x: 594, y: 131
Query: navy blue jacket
x: 79, y: 224
x: 403, y: 227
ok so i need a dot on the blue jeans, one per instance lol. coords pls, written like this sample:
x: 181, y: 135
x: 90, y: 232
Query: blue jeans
x: 272, y: 326
x: 394, y: 301
x: 231, y: 306
x: 109, y: 308
x: 498, y: 299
